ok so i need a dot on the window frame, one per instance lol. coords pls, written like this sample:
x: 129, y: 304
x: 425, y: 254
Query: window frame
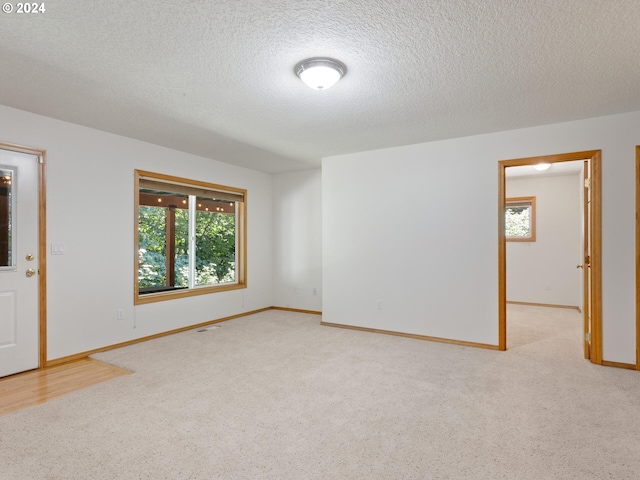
x: 521, y: 202
x: 241, y: 237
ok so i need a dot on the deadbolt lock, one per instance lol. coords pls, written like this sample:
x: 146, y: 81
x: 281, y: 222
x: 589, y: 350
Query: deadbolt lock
x: 29, y: 257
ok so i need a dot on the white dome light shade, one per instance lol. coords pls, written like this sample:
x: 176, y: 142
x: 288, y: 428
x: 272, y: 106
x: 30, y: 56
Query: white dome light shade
x: 320, y: 73
x: 542, y: 166
x: 320, y: 77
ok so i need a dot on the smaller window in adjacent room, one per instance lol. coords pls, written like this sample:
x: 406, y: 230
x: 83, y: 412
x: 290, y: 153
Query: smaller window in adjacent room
x: 520, y: 219
x: 190, y: 237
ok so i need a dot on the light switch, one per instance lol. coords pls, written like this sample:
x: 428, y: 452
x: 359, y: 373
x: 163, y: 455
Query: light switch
x: 57, y: 248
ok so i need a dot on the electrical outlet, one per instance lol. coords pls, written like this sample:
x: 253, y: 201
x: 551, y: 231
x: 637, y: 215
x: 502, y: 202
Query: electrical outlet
x: 547, y: 286
x: 315, y: 291
x: 379, y: 304
x: 121, y: 314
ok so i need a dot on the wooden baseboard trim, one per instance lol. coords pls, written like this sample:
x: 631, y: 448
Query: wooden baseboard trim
x: 550, y: 305
x: 83, y: 355
x: 626, y: 366
x: 413, y: 335
x: 298, y: 310
x: 79, y: 356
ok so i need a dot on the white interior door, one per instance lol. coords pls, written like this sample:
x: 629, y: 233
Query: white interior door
x: 19, y: 285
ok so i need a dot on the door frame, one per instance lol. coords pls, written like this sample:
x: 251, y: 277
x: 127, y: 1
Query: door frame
x: 42, y: 244
x: 637, y: 257
x: 595, y: 161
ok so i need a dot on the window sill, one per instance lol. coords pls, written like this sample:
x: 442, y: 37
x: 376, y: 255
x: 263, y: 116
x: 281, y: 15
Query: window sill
x: 153, y: 297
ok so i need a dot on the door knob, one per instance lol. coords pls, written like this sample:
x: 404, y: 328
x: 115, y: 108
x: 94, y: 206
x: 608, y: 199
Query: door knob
x: 30, y: 272
x: 579, y: 266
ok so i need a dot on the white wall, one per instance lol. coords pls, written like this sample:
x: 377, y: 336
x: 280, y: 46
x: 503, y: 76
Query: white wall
x: 297, y: 240
x: 545, y: 271
x: 90, y: 208
x: 414, y: 226
x: 420, y: 231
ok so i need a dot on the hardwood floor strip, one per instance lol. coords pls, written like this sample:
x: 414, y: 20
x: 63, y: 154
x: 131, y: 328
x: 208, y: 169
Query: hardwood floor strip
x: 39, y: 386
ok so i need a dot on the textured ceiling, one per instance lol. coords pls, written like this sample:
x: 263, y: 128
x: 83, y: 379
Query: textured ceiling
x: 215, y: 77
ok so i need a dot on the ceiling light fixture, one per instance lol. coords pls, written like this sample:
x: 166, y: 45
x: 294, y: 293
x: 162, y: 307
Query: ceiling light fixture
x: 320, y: 73
x: 542, y: 166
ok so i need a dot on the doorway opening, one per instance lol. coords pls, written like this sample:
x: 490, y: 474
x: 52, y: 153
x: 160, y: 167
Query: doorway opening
x: 38, y: 266
x: 591, y: 264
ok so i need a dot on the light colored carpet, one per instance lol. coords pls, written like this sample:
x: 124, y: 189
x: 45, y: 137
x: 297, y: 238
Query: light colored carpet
x: 277, y: 396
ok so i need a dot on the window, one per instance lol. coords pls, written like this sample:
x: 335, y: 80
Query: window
x: 190, y: 237
x: 7, y: 220
x: 520, y: 219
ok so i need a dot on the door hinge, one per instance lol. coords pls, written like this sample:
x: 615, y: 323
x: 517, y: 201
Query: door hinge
x: 587, y: 182
x: 587, y: 337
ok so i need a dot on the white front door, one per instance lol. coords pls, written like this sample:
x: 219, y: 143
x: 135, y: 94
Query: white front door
x: 19, y: 285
